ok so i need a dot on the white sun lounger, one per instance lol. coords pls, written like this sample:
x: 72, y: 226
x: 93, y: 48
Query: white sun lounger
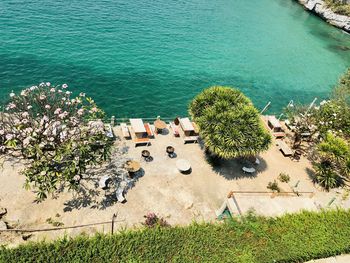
x: 109, y: 131
x: 125, y: 130
x: 119, y: 194
x: 248, y: 170
x: 175, y: 129
x: 103, y: 183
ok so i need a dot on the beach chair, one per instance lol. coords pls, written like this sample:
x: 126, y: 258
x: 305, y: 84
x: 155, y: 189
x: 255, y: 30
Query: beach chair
x: 125, y: 131
x: 109, y: 131
x: 104, y: 181
x: 149, y: 131
x: 190, y: 139
x: 175, y: 129
x: 141, y: 141
x: 119, y: 194
x: 285, y: 149
x: 248, y: 170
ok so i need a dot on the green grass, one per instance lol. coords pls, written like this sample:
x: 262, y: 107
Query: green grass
x: 342, y: 9
x: 291, y: 238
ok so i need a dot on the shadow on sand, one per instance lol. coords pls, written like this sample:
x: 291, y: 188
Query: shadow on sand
x: 232, y: 169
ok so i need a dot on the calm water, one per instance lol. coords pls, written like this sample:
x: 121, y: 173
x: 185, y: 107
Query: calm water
x: 150, y: 57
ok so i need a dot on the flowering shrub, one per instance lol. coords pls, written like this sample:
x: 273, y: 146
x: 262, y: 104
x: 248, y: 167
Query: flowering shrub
x: 152, y: 220
x: 57, y: 133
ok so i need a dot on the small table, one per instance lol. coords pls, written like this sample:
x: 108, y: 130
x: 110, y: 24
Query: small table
x: 132, y: 167
x: 159, y: 124
x: 183, y: 165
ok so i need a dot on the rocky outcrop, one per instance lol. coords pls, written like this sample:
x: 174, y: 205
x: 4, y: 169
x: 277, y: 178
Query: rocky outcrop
x: 318, y: 7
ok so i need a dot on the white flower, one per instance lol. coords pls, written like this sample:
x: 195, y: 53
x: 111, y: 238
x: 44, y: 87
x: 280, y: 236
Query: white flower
x: 42, y: 97
x: 52, y: 90
x: 25, y: 121
x: 24, y: 93
x: 64, y: 86
x: 82, y: 94
x: 323, y: 102
x: 47, y: 106
x: 9, y: 136
x: 26, y: 141
x: 59, y: 91
x: 12, y: 94
x: 73, y: 101
x: 2, y: 132
x: 80, y: 112
x: 68, y: 92
x: 33, y: 88
x: 58, y: 111
x: 12, y: 105
x: 48, y: 84
x: 42, y: 84
x: 25, y: 114
x: 29, y: 107
x: 94, y: 109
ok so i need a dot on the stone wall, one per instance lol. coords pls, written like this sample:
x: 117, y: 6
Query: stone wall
x: 318, y: 7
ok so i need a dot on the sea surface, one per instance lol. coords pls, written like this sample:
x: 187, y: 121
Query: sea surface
x: 151, y: 57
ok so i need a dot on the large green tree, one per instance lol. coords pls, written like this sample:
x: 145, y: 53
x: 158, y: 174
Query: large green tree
x: 229, y: 123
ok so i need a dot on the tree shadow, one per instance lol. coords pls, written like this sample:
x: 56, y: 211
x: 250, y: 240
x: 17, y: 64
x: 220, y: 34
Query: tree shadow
x: 232, y: 169
x: 89, y: 192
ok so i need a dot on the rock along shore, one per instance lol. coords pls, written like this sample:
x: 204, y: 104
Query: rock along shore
x: 319, y: 8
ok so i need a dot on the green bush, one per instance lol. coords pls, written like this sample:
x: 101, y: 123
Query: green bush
x: 290, y: 238
x: 273, y: 186
x: 284, y: 178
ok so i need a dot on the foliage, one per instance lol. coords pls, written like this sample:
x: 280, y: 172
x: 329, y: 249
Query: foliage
x: 290, y: 238
x: 229, y: 123
x: 56, y: 133
x: 303, y: 121
x: 332, y: 165
x: 326, y: 175
x: 273, y: 186
x: 284, y: 178
x: 339, y: 7
x: 152, y: 220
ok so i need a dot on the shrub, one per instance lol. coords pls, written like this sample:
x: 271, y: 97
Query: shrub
x: 273, y: 186
x: 284, y: 178
x: 59, y: 136
x: 152, y: 220
x: 290, y: 238
x: 230, y: 125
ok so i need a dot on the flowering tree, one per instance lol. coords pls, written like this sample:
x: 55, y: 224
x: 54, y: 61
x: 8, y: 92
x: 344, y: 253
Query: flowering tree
x: 59, y: 135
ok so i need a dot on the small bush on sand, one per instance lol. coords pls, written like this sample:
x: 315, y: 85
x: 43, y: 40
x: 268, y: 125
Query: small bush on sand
x: 284, y: 178
x: 273, y: 186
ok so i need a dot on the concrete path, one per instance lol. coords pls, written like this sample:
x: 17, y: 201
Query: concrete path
x: 337, y: 259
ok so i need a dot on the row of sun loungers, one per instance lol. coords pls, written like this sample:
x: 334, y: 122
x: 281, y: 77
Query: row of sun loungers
x: 144, y: 131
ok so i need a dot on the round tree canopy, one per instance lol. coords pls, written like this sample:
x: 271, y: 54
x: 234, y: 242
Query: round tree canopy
x: 229, y: 123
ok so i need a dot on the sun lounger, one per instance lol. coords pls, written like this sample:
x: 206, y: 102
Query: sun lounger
x: 141, y: 141
x: 175, y: 129
x: 149, y: 131
x: 119, y: 194
x: 190, y: 139
x: 125, y: 130
x: 109, y: 131
x: 104, y: 181
x: 285, y: 149
x: 248, y: 170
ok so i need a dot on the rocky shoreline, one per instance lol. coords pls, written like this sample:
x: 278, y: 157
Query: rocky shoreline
x: 319, y: 8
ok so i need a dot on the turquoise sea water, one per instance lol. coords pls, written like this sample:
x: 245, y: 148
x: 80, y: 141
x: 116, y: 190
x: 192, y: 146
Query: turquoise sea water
x: 150, y: 57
